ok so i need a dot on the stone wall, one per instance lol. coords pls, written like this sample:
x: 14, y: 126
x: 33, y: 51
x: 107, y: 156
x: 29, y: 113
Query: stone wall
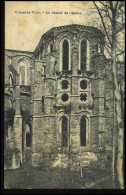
x: 52, y: 86
x: 42, y: 97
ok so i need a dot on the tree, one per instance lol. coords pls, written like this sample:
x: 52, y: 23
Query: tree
x: 111, y: 14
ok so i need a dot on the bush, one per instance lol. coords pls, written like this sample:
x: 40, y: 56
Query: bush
x: 8, y: 156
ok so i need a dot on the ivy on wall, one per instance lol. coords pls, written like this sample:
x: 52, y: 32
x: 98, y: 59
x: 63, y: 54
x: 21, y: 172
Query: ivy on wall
x: 9, y: 116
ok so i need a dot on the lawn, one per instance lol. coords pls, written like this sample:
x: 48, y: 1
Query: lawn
x: 38, y: 178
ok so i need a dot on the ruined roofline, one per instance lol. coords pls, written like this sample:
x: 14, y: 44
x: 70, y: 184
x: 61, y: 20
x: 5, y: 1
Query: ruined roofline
x: 73, y: 26
x: 11, y: 50
x: 67, y: 27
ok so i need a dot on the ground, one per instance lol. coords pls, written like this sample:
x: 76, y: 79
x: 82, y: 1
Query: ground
x: 57, y: 178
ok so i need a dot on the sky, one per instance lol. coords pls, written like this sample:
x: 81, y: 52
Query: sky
x: 23, y: 31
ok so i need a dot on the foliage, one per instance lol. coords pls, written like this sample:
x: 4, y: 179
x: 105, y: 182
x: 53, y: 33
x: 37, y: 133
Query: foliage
x: 112, y: 17
x: 8, y: 156
x: 101, y: 16
x: 25, y: 115
x: 9, y: 115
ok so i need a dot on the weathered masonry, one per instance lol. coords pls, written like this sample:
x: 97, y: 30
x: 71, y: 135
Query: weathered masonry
x: 59, y: 99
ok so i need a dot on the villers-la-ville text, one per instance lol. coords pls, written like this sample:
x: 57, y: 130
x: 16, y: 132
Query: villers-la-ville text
x: 47, y: 12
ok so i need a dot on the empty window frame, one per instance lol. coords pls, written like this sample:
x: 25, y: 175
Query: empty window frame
x: 84, y: 55
x: 11, y: 80
x: 65, y: 54
x: 83, y: 131
x: 42, y: 103
x: 22, y: 72
x: 64, y: 131
x: 28, y: 136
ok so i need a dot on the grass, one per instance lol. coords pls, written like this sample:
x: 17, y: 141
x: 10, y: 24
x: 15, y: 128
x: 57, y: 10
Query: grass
x: 37, y: 178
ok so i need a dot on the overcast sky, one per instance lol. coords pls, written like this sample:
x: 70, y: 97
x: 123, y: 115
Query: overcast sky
x: 23, y: 31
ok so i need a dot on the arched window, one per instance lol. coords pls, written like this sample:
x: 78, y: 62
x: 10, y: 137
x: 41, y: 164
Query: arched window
x: 84, y: 55
x: 10, y: 80
x: 28, y: 136
x: 51, y: 48
x: 22, y: 72
x: 11, y: 102
x: 99, y: 48
x: 83, y: 131
x: 42, y: 103
x: 64, y: 131
x: 65, y: 54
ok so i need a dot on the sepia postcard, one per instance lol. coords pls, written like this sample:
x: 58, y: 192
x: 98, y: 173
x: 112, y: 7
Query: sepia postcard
x: 64, y: 89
